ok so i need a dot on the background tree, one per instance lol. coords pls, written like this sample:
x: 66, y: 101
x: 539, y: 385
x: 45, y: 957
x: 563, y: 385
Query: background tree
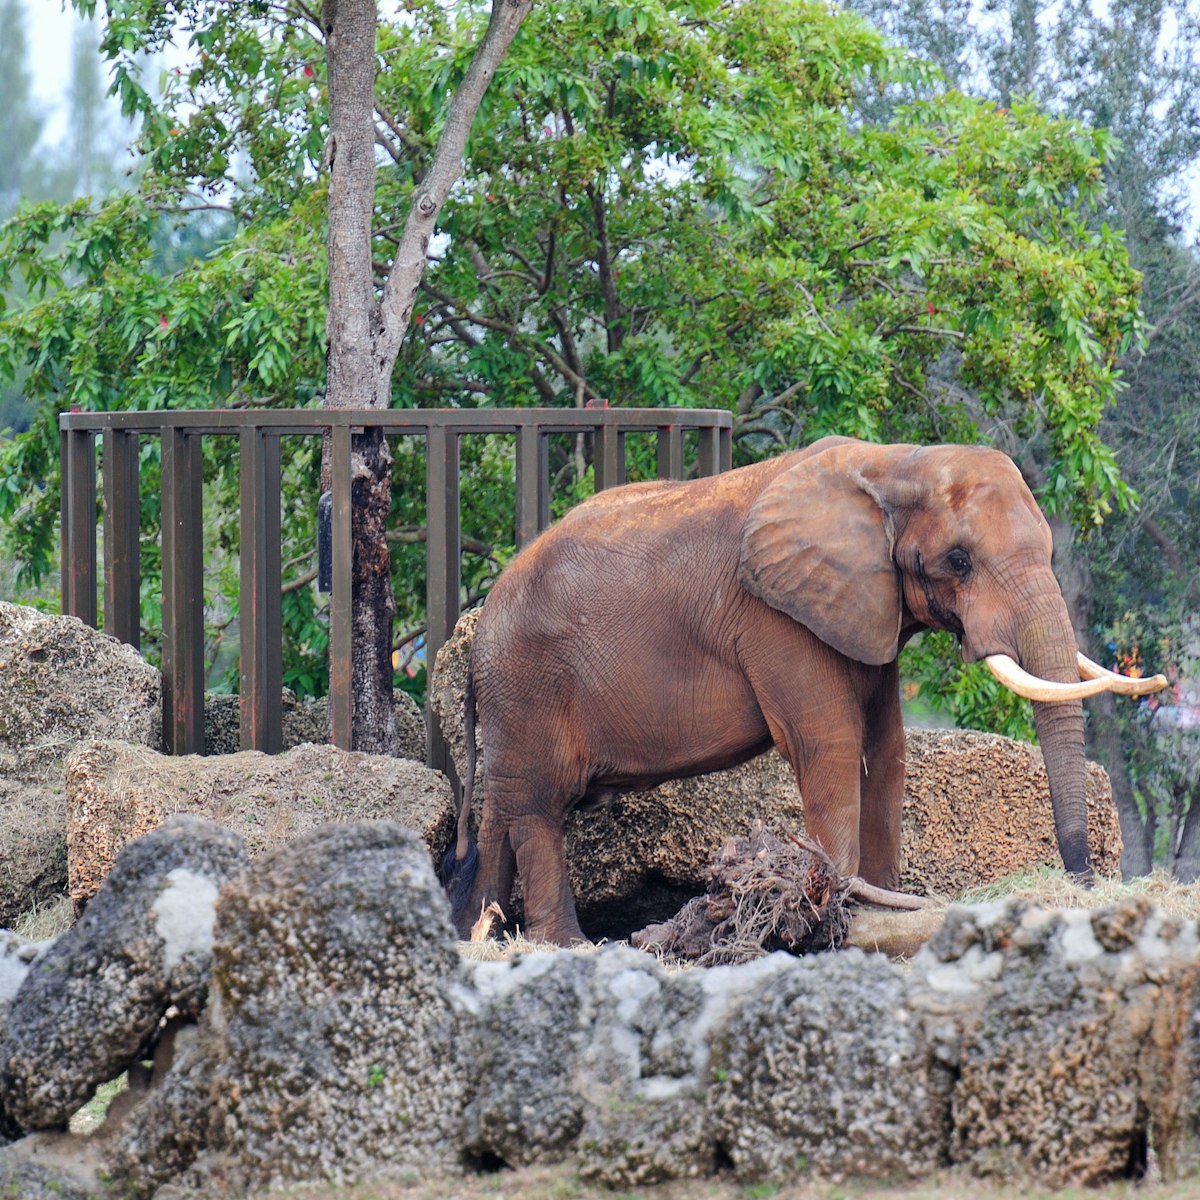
x: 1131, y: 67
x: 660, y: 203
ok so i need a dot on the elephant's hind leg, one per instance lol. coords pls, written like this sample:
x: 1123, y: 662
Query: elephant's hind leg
x: 541, y: 856
x: 495, y: 873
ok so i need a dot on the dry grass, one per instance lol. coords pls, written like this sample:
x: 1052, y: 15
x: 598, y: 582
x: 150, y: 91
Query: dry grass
x: 46, y: 920
x: 1054, y: 889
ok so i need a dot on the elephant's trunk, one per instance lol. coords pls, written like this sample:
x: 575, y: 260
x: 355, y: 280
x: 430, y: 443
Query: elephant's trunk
x: 1046, y: 646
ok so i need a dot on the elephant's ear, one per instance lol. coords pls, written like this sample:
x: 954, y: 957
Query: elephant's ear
x: 817, y: 545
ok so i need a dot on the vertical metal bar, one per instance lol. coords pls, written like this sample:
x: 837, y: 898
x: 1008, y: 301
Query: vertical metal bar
x: 670, y: 452
x: 66, y: 551
x: 725, y: 453
x: 261, y: 669
x: 443, y: 562
x: 183, y: 593
x: 122, y: 556
x: 341, y: 629
x: 710, y: 450
x: 533, y: 483
x: 608, y: 456
x: 79, y: 532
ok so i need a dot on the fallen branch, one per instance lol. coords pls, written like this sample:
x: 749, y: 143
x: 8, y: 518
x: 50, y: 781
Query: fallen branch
x: 768, y: 893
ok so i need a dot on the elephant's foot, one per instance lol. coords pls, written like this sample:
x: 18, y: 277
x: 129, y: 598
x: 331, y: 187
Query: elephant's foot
x: 562, y: 931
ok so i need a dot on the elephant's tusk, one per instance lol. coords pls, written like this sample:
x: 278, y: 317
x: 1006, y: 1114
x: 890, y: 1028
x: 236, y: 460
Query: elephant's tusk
x: 871, y: 894
x: 1096, y: 680
x: 1093, y: 670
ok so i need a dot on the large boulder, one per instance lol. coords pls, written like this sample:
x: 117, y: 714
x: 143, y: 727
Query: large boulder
x: 1036, y: 1046
x: 60, y: 682
x: 337, y: 1048
x: 116, y: 792
x: 1075, y: 1045
x: 976, y: 809
x: 91, y: 1005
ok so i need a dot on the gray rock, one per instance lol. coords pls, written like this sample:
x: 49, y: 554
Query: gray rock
x: 533, y: 1028
x: 29, y: 1181
x: 33, y: 847
x: 173, y: 1123
x: 829, y: 1068
x: 306, y: 720
x: 60, y: 682
x: 117, y: 792
x: 644, y: 1073
x: 17, y: 955
x: 92, y: 1004
x: 1077, y: 1053
x: 344, y: 1037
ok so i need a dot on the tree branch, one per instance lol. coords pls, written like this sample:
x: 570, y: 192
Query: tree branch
x: 409, y: 264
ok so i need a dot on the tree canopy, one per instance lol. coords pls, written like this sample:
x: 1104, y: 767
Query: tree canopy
x: 690, y: 203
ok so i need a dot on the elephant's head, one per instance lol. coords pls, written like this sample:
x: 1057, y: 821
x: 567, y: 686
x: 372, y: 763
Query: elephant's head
x: 865, y: 544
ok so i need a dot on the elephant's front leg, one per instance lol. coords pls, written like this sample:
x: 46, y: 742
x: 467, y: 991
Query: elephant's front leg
x: 882, y: 785
x: 812, y: 699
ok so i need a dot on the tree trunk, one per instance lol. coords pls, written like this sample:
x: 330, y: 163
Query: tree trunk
x: 365, y: 334
x: 352, y: 325
x: 1187, y: 858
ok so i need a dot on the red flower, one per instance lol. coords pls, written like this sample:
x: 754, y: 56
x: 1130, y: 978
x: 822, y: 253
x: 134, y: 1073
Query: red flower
x: 308, y: 71
x: 162, y: 320
x: 932, y: 310
x: 418, y: 319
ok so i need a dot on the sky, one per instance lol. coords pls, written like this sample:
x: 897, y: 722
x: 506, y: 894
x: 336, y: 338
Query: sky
x: 51, y: 32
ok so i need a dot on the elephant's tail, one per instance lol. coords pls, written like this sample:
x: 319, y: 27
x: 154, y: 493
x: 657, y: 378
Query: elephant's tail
x: 462, y: 858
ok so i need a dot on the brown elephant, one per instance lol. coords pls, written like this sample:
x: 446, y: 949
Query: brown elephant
x: 669, y: 629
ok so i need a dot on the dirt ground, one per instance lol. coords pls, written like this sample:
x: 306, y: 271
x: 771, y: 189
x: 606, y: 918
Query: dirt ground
x: 560, y: 1183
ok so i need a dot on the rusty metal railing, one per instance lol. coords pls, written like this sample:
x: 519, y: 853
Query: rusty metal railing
x: 259, y: 433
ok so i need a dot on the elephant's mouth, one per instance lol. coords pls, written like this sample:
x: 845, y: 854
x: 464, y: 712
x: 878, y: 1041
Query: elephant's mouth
x: 1093, y: 679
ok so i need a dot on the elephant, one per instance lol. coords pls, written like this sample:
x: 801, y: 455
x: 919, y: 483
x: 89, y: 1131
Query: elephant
x: 668, y: 629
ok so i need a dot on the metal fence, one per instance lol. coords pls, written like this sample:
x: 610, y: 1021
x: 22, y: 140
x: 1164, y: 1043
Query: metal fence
x: 259, y: 433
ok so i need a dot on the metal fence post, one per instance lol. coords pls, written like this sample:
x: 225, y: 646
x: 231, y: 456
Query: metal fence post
x: 261, y: 629
x: 608, y: 456
x: 532, y: 483
x: 341, y: 629
x: 78, y: 462
x: 122, y: 554
x: 183, y: 593
x: 669, y: 449
x: 444, y: 579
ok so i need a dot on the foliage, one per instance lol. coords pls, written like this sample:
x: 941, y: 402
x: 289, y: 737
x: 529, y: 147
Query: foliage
x: 676, y: 202
x: 970, y: 696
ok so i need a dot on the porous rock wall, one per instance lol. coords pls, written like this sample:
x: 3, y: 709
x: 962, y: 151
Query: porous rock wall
x: 343, y: 1037
x: 116, y: 792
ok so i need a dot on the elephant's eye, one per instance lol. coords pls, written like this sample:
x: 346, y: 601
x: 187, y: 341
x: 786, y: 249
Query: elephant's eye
x: 959, y: 561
